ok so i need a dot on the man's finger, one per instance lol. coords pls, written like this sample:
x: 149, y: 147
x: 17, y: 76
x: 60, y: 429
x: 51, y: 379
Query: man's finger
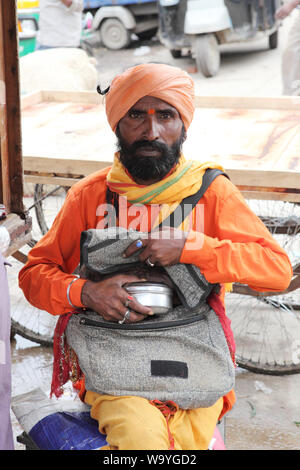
x: 146, y: 253
x: 135, y: 317
x: 139, y: 308
x: 122, y: 279
x: 134, y: 310
x: 135, y: 247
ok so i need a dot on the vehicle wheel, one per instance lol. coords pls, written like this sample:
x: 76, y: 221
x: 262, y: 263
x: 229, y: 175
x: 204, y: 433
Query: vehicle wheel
x: 176, y: 53
x: 146, y: 35
x: 207, y: 54
x: 86, y: 47
x: 267, y: 327
x: 273, y: 40
x: 114, y: 35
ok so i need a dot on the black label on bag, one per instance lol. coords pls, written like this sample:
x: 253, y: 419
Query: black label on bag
x: 169, y: 369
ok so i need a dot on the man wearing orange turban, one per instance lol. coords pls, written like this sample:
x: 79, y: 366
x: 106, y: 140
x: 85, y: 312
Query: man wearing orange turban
x: 172, y: 85
x: 150, y: 108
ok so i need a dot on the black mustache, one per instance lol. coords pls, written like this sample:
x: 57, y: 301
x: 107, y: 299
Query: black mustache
x: 146, y: 144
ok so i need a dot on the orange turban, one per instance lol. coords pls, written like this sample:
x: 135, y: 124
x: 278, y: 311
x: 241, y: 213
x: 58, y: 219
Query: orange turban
x: 168, y: 83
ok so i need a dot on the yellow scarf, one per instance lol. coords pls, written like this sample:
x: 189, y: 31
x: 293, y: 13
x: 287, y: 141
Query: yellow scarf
x: 185, y: 180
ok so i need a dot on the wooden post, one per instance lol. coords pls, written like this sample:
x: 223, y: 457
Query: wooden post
x: 11, y: 169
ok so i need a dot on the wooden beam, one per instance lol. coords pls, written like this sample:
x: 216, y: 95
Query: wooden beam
x: 234, y: 102
x: 254, y: 184
x: 61, y: 96
x: 30, y: 99
x: 86, y: 97
x: 11, y: 190
x: 19, y: 230
x: 248, y: 102
x: 53, y: 180
x: 265, y: 178
x: 69, y: 167
x: 270, y: 195
x: 64, y: 167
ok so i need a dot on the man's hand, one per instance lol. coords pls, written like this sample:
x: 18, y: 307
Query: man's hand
x: 286, y: 9
x: 109, y: 298
x: 163, y: 247
x: 68, y: 3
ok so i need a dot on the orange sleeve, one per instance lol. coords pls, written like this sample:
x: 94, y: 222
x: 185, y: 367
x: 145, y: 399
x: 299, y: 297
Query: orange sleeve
x: 48, y: 272
x: 235, y: 246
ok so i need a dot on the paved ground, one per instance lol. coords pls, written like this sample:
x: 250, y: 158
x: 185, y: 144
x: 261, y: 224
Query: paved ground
x: 268, y: 407
x: 247, y: 69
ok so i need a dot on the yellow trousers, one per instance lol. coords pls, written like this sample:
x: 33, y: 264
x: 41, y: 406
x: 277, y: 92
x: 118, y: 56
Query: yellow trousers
x: 134, y: 423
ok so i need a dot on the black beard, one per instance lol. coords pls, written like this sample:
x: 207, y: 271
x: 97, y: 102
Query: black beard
x: 149, y: 168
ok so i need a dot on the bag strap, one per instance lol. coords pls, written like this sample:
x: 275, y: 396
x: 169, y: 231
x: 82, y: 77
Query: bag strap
x: 187, y: 204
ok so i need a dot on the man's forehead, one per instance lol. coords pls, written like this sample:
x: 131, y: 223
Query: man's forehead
x: 152, y: 102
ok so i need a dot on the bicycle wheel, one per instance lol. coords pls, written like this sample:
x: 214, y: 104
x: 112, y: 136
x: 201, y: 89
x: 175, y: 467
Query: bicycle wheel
x: 267, y: 329
x: 266, y: 332
x: 26, y: 320
x: 48, y: 200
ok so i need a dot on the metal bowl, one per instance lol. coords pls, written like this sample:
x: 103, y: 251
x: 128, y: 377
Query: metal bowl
x: 155, y: 295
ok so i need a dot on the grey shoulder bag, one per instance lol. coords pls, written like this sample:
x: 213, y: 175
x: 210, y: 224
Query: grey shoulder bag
x: 182, y: 356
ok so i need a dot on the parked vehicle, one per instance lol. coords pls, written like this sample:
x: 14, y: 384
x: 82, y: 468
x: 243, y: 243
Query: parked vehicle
x: 28, y: 25
x: 28, y: 17
x: 198, y: 27
x: 115, y: 21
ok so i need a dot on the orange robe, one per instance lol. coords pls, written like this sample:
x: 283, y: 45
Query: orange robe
x: 235, y: 246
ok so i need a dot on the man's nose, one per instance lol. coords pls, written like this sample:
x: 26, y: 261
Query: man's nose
x: 151, y: 129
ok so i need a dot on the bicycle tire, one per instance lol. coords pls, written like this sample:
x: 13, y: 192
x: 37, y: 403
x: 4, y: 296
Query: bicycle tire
x: 268, y: 369
x: 267, y: 328
x: 27, y: 321
x: 266, y: 332
x: 48, y: 200
x: 22, y: 330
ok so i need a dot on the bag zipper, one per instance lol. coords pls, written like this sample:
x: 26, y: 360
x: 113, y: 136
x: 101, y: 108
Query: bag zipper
x: 141, y: 326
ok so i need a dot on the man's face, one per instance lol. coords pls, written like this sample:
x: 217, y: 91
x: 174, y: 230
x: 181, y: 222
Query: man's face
x: 150, y: 137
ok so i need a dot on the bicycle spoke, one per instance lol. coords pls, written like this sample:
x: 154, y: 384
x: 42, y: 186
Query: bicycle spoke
x: 266, y: 325
x: 264, y: 333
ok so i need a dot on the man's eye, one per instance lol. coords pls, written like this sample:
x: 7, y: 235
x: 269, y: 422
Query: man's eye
x: 165, y: 115
x: 134, y: 114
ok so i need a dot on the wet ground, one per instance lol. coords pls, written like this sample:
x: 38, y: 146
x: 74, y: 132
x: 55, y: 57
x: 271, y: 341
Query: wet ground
x: 267, y: 412
x: 266, y: 415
